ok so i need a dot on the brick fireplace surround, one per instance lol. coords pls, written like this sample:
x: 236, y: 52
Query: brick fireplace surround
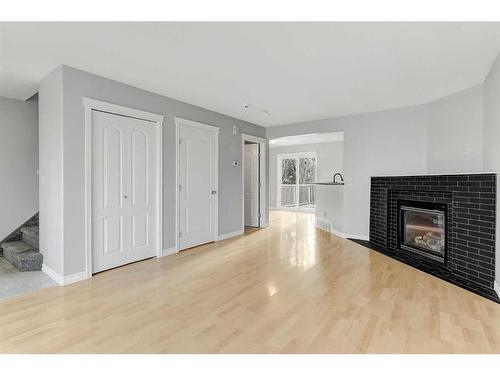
x: 471, y: 205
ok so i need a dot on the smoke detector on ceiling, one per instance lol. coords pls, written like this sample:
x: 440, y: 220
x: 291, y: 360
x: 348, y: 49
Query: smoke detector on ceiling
x: 250, y: 106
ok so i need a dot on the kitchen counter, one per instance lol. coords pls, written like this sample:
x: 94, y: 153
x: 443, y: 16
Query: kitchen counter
x: 330, y: 205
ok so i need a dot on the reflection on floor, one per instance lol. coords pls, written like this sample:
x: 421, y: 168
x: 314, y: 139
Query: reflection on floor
x: 14, y: 282
x: 288, y: 288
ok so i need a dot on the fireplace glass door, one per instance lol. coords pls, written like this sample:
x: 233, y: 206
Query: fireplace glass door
x: 423, y: 231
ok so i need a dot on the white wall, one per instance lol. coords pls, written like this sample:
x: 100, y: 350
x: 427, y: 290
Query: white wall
x: 455, y: 132
x: 492, y: 142
x: 77, y: 84
x: 330, y: 206
x: 18, y: 163
x: 329, y: 161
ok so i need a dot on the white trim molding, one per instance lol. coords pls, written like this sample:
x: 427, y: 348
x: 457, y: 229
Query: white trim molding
x: 63, y: 280
x: 226, y: 236
x: 156, y: 120
x: 263, y: 167
x: 169, y: 251
x: 198, y: 125
x: 122, y: 110
x: 496, y: 287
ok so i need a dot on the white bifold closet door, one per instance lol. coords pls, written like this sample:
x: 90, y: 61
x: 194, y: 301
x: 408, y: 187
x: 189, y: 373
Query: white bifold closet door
x: 124, y: 190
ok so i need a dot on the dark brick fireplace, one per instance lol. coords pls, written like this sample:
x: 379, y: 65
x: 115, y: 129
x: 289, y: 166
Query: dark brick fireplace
x: 467, y: 203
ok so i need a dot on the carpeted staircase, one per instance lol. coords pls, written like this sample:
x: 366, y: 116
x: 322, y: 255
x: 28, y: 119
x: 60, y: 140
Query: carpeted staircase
x: 21, y: 249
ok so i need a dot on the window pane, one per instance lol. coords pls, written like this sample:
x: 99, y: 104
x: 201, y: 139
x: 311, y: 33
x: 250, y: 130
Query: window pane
x: 307, y: 196
x: 288, y: 172
x: 288, y: 196
x: 307, y: 170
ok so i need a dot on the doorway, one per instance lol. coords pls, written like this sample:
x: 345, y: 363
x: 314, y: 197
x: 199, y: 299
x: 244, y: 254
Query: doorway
x: 254, y: 177
x: 197, y: 190
x: 252, y: 184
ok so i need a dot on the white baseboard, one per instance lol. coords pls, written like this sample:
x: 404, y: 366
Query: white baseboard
x: 74, y: 278
x: 274, y: 208
x: 63, y: 280
x: 264, y: 225
x: 337, y: 233
x: 225, y: 236
x: 334, y: 232
x: 496, y: 286
x: 169, y: 251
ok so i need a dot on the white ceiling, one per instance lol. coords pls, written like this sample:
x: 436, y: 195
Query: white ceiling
x: 306, y: 139
x: 295, y: 71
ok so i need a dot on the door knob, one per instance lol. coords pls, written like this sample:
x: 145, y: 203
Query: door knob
x: 125, y: 197
x: 214, y: 192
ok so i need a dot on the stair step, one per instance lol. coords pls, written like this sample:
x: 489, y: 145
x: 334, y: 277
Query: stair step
x: 22, y: 256
x: 30, y: 236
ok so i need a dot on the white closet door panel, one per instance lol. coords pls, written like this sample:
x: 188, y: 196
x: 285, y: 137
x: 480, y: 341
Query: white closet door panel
x: 124, y: 192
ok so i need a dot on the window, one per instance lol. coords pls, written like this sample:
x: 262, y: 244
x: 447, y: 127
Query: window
x: 296, y: 173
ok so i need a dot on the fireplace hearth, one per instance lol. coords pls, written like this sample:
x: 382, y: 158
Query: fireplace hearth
x: 441, y: 224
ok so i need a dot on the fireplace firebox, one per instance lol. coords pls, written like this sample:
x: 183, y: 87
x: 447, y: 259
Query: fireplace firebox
x: 422, y: 229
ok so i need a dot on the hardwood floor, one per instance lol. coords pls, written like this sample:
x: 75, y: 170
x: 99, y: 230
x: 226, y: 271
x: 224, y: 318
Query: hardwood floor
x: 288, y: 288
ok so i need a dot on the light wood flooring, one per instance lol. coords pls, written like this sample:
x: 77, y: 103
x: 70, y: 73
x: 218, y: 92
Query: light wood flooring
x: 288, y: 288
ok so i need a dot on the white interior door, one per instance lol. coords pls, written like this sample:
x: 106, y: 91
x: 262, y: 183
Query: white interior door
x: 124, y: 190
x: 251, y: 182
x: 197, y: 185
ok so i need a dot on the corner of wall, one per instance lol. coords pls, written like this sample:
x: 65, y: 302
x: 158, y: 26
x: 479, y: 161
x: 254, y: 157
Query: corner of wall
x: 491, y: 136
x: 50, y: 170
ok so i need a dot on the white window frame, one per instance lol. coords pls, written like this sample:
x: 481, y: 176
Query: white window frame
x: 294, y: 155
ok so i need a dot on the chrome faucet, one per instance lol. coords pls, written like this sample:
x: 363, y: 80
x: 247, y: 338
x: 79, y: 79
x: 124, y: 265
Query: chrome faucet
x: 335, y: 176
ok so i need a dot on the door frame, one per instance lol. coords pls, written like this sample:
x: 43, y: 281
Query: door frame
x: 156, y: 120
x: 290, y: 155
x: 263, y: 216
x: 197, y: 125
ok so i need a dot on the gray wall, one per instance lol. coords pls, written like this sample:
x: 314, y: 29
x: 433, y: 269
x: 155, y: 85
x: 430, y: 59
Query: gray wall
x: 440, y: 137
x: 371, y: 142
x: 51, y: 164
x: 18, y: 163
x: 329, y: 161
x: 455, y: 132
x: 492, y: 142
x: 77, y: 84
